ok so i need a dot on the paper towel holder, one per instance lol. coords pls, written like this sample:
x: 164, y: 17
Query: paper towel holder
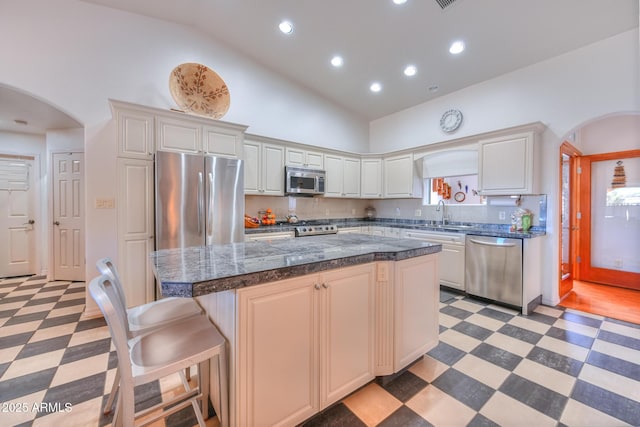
x: 504, y: 200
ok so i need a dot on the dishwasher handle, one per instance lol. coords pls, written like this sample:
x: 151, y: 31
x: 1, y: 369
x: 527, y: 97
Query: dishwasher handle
x: 504, y: 245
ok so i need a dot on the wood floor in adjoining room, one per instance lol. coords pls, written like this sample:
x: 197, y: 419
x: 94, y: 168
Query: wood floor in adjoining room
x: 610, y: 301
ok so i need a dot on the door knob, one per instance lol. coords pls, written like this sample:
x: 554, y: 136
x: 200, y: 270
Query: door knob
x: 56, y: 222
x: 30, y: 222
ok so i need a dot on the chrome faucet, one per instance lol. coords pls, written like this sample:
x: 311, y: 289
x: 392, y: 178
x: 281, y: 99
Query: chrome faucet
x: 441, y: 202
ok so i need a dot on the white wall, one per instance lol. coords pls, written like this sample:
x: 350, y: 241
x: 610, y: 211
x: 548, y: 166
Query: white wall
x: 563, y: 93
x: 610, y: 133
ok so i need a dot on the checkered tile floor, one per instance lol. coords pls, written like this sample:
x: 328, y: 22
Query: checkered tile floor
x: 492, y: 367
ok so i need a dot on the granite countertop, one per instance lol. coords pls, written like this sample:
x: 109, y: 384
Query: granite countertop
x: 495, y: 230
x: 201, y: 270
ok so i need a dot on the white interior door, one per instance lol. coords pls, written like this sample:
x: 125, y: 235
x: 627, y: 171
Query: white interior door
x: 17, y: 207
x: 68, y: 216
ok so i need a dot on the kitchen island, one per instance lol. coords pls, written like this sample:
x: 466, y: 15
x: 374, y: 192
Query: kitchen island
x: 309, y: 320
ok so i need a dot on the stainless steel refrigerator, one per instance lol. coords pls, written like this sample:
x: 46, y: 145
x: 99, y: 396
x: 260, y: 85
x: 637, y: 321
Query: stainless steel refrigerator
x: 199, y: 200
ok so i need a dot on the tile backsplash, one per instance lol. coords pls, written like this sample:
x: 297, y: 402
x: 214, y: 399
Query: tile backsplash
x: 307, y: 208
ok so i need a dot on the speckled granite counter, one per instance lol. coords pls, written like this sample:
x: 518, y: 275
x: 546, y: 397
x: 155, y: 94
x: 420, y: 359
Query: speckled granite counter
x: 495, y: 230
x: 201, y: 270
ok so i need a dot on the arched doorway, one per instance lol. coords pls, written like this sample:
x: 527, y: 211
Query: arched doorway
x: 595, y: 218
x: 32, y: 131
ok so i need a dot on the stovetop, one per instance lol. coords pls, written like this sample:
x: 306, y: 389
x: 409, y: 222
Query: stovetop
x: 315, y: 230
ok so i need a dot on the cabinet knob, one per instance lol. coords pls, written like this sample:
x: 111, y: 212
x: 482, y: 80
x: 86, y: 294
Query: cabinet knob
x: 317, y: 286
x: 324, y: 285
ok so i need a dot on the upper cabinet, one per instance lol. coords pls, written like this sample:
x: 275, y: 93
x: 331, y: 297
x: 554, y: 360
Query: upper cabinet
x: 304, y: 158
x: 187, y: 136
x: 135, y: 134
x: 178, y: 135
x: 371, y: 178
x: 506, y: 165
x: 400, y: 177
x: 263, y: 168
x: 343, y: 176
x: 222, y: 141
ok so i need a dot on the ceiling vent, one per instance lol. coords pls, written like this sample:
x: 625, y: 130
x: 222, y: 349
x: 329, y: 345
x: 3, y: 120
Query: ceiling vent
x: 445, y: 3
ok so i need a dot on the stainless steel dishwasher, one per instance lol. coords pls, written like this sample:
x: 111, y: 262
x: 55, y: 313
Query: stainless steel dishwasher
x: 493, y: 268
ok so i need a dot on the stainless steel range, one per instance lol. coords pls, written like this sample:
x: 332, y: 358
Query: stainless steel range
x: 315, y: 230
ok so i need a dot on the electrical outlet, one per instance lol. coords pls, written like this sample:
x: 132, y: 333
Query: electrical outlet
x: 617, y: 263
x: 353, y: 211
x: 502, y: 215
x: 418, y: 212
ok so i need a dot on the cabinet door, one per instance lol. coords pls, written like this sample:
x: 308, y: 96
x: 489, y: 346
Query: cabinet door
x: 347, y: 331
x: 304, y: 158
x: 506, y: 165
x: 335, y: 176
x: 135, y: 135
x: 178, y: 135
x: 371, y: 182
x: 272, y: 170
x: 278, y: 363
x: 135, y: 209
x: 416, y: 301
x: 252, y: 165
x: 351, y: 177
x: 399, y: 177
x: 222, y: 142
x: 314, y: 159
x: 452, y: 266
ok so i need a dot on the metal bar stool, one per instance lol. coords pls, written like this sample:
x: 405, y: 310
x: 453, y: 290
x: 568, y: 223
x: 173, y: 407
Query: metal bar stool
x: 160, y: 353
x: 146, y: 317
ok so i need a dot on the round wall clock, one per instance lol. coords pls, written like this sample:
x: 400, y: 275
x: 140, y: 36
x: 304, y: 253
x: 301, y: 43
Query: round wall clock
x: 451, y: 120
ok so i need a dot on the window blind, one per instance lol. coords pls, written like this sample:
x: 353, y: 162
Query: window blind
x: 14, y: 174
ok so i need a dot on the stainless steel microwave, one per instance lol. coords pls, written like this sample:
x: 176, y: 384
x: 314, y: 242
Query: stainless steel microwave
x: 303, y: 181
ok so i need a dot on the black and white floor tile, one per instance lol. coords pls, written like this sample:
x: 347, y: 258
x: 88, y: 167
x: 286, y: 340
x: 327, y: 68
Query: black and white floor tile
x: 492, y: 367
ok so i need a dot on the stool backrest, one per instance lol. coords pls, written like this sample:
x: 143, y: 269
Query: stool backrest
x: 106, y: 266
x: 104, y: 292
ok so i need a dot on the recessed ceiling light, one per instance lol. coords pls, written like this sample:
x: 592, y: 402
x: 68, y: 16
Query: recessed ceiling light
x: 410, y: 70
x: 337, y: 61
x: 456, y: 47
x: 399, y: 1
x: 286, y: 27
x: 375, y: 87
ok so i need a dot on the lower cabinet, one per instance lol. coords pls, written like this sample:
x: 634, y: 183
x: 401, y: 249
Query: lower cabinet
x: 451, y: 258
x: 303, y: 344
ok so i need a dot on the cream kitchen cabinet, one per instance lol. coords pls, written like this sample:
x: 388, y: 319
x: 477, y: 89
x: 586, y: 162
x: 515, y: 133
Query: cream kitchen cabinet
x: 304, y: 158
x: 346, y: 230
x: 371, y: 178
x: 223, y: 141
x: 452, y: 257
x: 304, y: 344
x: 506, y: 165
x: 177, y: 134
x: 343, y: 176
x: 400, y: 178
x: 135, y: 218
x: 193, y: 135
x: 135, y: 134
x: 263, y: 168
x: 416, y: 309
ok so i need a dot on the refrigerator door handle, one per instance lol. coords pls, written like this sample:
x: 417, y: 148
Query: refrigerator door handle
x: 200, y: 202
x: 210, y: 207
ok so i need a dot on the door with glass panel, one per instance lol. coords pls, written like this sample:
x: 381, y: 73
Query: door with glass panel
x: 610, y: 223
x: 568, y: 216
